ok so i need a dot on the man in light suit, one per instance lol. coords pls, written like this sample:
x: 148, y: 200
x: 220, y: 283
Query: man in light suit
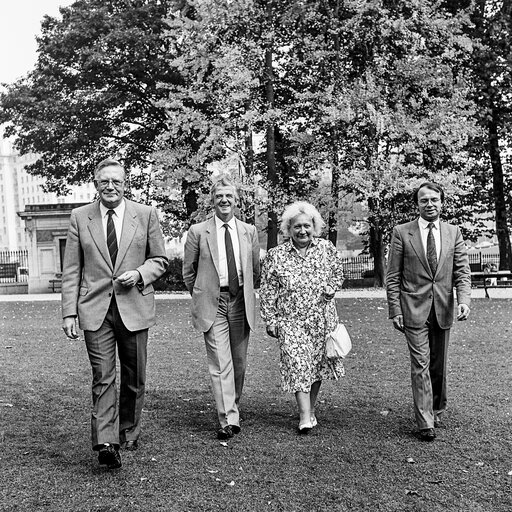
x: 221, y: 269
x: 114, y: 252
x: 427, y: 260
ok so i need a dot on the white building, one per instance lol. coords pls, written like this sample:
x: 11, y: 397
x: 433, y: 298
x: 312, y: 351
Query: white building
x: 18, y: 189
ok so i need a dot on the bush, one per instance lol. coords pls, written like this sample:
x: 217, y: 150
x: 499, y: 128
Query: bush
x: 172, y: 279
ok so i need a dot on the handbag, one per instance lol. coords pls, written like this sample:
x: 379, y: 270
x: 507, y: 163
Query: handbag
x: 338, y: 343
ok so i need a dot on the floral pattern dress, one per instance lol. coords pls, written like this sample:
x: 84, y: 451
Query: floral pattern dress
x: 291, y: 297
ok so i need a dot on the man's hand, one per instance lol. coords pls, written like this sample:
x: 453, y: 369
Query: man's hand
x: 398, y: 322
x: 69, y: 327
x: 463, y: 312
x: 272, y: 331
x: 129, y: 278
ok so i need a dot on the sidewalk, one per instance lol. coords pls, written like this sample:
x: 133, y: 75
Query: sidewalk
x: 367, y: 293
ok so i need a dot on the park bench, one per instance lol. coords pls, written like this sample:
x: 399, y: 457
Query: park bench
x: 503, y: 279
x: 56, y: 283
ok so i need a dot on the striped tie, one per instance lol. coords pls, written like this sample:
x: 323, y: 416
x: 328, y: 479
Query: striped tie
x: 111, y: 237
x: 431, y: 249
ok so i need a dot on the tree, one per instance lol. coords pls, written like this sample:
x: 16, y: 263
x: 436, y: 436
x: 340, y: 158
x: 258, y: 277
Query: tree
x: 492, y: 70
x: 94, y: 91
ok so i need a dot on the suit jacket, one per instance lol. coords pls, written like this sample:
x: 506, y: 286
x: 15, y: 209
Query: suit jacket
x: 88, y: 278
x: 201, y: 271
x: 411, y: 287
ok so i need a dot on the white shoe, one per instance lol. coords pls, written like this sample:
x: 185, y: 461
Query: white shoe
x: 314, y: 423
x: 305, y: 428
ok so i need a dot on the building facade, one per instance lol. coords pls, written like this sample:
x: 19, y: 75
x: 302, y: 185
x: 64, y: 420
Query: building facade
x: 18, y: 189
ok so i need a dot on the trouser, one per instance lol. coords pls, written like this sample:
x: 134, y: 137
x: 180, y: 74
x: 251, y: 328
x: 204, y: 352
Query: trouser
x: 110, y: 423
x: 226, y: 349
x: 428, y: 348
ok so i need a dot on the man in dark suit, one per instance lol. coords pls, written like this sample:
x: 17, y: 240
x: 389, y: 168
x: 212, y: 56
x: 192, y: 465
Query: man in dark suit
x: 114, y: 252
x: 427, y: 260
x: 221, y: 268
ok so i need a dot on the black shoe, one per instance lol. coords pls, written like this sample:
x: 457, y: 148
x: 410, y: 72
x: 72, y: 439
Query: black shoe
x: 427, y: 434
x: 235, y: 428
x: 131, y: 446
x: 109, y: 456
x: 226, y: 432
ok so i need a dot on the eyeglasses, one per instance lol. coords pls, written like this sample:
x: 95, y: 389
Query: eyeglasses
x: 105, y: 183
x: 433, y: 200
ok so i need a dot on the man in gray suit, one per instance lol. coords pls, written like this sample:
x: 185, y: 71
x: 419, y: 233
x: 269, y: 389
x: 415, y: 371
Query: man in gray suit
x: 114, y: 252
x: 427, y: 260
x: 221, y: 268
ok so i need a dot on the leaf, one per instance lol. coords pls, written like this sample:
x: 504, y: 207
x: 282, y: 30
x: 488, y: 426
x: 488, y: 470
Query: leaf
x: 232, y: 483
x: 412, y: 492
x: 223, y: 443
x: 410, y: 460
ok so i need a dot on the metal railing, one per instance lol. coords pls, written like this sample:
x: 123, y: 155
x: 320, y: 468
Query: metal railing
x: 14, y: 266
x: 477, y: 260
x: 358, y: 267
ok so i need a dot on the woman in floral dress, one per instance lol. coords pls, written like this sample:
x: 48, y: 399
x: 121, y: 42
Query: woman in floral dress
x: 299, y: 280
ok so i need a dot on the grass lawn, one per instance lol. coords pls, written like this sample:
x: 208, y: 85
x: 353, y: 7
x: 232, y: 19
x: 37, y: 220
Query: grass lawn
x: 363, y: 456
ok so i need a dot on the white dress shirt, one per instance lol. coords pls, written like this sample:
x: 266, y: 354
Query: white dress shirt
x: 424, y: 234
x: 117, y: 217
x: 221, y: 244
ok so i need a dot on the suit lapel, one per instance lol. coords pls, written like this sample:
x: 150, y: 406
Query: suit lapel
x: 97, y: 233
x: 445, y: 244
x: 415, y: 238
x: 242, y: 242
x: 211, y: 240
x: 127, y: 232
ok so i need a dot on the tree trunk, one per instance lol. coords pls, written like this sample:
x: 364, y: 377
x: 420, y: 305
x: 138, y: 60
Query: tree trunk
x: 335, y: 174
x: 500, y: 205
x: 335, y: 190
x: 270, y: 139
x: 376, y: 246
x: 249, y: 206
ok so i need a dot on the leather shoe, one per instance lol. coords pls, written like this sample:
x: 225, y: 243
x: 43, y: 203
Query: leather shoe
x: 131, y: 446
x: 109, y: 456
x: 427, y: 434
x: 225, y: 432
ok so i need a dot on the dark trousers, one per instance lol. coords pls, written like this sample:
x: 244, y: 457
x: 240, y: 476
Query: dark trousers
x: 428, y: 348
x: 110, y: 423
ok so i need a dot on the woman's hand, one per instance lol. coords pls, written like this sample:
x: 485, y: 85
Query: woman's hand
x: 328, y: 293
x: 272, y: 331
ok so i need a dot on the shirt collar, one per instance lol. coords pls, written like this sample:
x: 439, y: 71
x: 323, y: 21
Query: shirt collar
x: 219, y: 223
x: 119, y: 209
x: 291, y: 247
x: 424, y: 223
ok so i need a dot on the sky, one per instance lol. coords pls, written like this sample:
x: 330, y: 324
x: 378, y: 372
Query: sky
x: 20, y: 22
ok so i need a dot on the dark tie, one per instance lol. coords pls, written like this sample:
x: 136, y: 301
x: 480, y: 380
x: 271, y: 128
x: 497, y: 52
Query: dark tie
x: 431, y: 249
x: 230, y: 255
x: 111, y: 237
